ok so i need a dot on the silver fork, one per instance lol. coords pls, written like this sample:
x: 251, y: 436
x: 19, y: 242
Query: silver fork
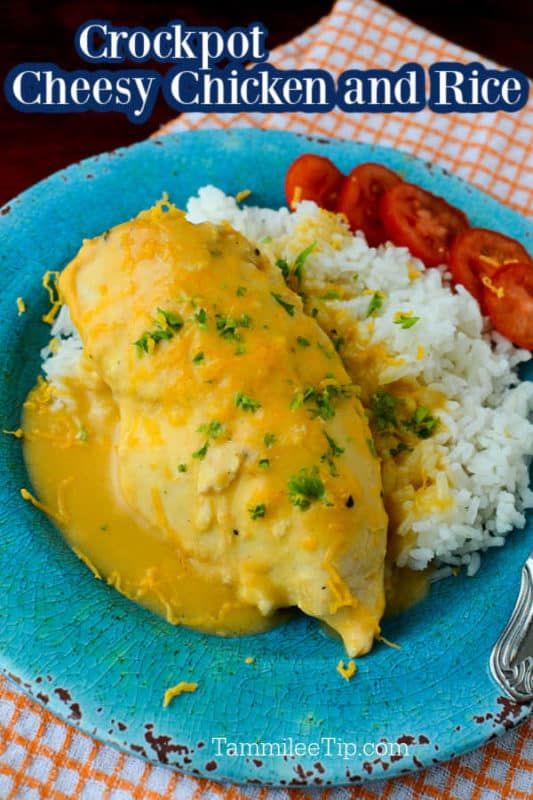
x: 511, y: 660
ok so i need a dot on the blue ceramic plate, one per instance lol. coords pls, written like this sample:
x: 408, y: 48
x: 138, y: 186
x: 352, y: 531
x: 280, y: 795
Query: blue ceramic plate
x: 102, y: 663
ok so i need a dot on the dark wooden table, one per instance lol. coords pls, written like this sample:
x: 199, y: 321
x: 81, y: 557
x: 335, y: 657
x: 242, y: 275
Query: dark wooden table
x: 34, y: 145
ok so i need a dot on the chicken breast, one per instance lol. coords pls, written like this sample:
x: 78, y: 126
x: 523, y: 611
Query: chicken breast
x: 241, y: 437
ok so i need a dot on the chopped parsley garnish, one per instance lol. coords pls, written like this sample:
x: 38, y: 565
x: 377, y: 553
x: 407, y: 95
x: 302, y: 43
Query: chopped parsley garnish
x: 401, y: 447
x: 303, y: 342
x: 338, y: 343
x: 372, y: 447
x: 167, y: 324
x: 257, y: 511
x: 213, y: 429
x: 199, y: 358
x: 263, y: 463
x: 246, y: 403
x: 405, y: 321
x: 305, y: 488
x: 240, y: 350
x: 289, y: 308
x: 182, y: 467
x: 283, y: 265
x: 174, y: 321
x: 376, y: 301
x: 300, y: 260
x: 266, y: 240
x: 201, y: 452
x: 83, y: 435
x: 334, y: 451
x: 422, y: 423
x: 331, y: 295
x: 321, y: 398
x: 295, y: 269
x: 241, y: 291
x: 269, y: 439
x: 227, y: 326
x: 201, y: 318
x: 384, y: 407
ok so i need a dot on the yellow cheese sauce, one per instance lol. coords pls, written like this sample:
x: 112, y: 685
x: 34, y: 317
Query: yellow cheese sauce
x: 71, y: 461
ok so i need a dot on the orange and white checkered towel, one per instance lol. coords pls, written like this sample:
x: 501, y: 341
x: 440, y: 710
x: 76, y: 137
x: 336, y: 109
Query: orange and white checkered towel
x: 42, y: 758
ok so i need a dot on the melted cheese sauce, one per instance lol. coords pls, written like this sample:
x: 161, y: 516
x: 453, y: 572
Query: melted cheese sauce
x: 71, y: 461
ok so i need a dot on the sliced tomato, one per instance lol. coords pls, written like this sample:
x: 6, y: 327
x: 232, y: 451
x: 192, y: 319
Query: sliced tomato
x: 312, y: 177
x: 421, y: 221
x: 479, y: 252
x: 508, y: 298
x: 359, y: 199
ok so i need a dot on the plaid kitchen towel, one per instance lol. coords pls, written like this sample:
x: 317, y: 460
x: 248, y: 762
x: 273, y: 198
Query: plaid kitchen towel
x: 43, y: 758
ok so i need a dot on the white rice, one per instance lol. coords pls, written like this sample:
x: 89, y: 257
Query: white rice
x: 486, y: 432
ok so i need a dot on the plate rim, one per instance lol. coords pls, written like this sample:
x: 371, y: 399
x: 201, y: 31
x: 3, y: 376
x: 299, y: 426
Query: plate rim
x: 101, y: 162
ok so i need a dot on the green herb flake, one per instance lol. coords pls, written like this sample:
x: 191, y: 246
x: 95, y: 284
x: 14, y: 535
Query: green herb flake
x: 338, y: 343
x: 405, y: 321
x: 300, y: 260
x: 422, y: 423
x: 201, y: 318
x: 283, y: 265
x: 199, y: 358
x: 376, y: 301
x: 401, y: 447
x: 174, y: 321
x: 212, y: 429
x: 263, y: 463
x: 202, y: 452
x: 384, y: 407
x: 227, y: 326
x: 289, y: 308
x: 331, y: 295
x: 372, y: 447
x: 83, y: 435
x: 240, y: 350
x: 269, y: 439
x: 182, y: 467
x: 241, y: 291
x: 246, y: 403
x: 266, y: 240
x: 305, y: 488
x: 321, y: 399
x: 258, y: 511
x: 334, y: 451
x: 303, y: 342
x: 167, y: 324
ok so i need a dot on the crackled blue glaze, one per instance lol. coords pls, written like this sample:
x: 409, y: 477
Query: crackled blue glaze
x: 101, y: 662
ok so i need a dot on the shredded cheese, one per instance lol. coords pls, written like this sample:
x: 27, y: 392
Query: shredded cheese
x: 296, y: 197
x: 88, y: 563
x: 176, y: 690
x: 249, y: 660
x: 33, y: 500
x: 497, y: 290
x: 420, y: 352
x: 49, y: 282
x: 21, y: 305
x: 18, y: 434
x: 388, y: 643
x: 347, y: 671
x: 240, y: 196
